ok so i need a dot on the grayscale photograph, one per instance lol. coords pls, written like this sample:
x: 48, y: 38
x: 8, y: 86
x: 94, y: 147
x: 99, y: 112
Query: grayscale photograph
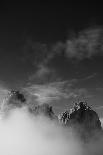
x: 51, y: 78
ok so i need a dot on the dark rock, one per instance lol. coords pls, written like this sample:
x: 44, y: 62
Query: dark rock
x: 14, y: 99
x: 17, y: 96
x: 43, y: 109
x: 83, y: 120
x: 86, y: 117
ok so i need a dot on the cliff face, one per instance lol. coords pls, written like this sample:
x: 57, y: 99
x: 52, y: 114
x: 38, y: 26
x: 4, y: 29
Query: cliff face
x: 83, y: 115
x: 14, y: 99
x: 82, y: 119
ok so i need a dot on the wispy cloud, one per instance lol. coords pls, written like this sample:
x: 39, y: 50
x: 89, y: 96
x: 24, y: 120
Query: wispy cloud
x: 87, y: 44
x: 3, y: 93
x: 48, y: 92
x: 99, y: 107
x: 83, y: 45
x: 101, y: 119
x: 43, y: 74
x: 91, y: 76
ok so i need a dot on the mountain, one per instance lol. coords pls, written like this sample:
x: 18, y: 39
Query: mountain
x: 43, y: 109
x: 16, y: 99
x: 83, y: 120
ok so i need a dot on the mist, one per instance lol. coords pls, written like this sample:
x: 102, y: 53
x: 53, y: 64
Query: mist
x: 23, y: 134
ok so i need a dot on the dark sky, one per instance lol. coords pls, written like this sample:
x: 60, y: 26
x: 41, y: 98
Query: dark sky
x: 48, y: 24
x: 42, y: 22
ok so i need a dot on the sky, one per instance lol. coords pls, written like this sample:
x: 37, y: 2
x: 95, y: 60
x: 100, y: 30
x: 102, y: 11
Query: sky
x: 53, y: 51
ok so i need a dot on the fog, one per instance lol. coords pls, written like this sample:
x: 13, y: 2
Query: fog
x: 22, y: 133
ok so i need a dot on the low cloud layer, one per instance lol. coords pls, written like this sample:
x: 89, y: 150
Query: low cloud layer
x: 23, y: 134
x: 3, y: 93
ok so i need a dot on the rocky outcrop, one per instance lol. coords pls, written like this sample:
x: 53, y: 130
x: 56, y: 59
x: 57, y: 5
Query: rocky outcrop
x: 86, y: 117
x: 16, y: 96
x: 43, y: 109
x: 16, y: 99
x: 82, y: 119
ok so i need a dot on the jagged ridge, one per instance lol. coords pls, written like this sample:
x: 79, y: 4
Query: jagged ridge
x: 81, y: 117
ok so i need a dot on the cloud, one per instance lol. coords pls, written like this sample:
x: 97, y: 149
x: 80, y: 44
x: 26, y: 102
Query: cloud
x: 3, y: 92
x: 39, y: 55
x: 84, y: 44
x: 48, y: 92
x: 45, y: 93
x: 43, y: 74
x: 24, y: 134
x: 34, y: 52
x: 82, y: 93
x: 99, y: 107
x: 87, y: 44
x: 91, y: 76
x: 101, y: 119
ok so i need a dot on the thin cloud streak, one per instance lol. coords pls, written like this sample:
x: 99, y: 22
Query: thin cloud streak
x: 48, y: 92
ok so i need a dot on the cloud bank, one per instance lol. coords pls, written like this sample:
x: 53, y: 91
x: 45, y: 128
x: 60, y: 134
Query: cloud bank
x: 23, y: 134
